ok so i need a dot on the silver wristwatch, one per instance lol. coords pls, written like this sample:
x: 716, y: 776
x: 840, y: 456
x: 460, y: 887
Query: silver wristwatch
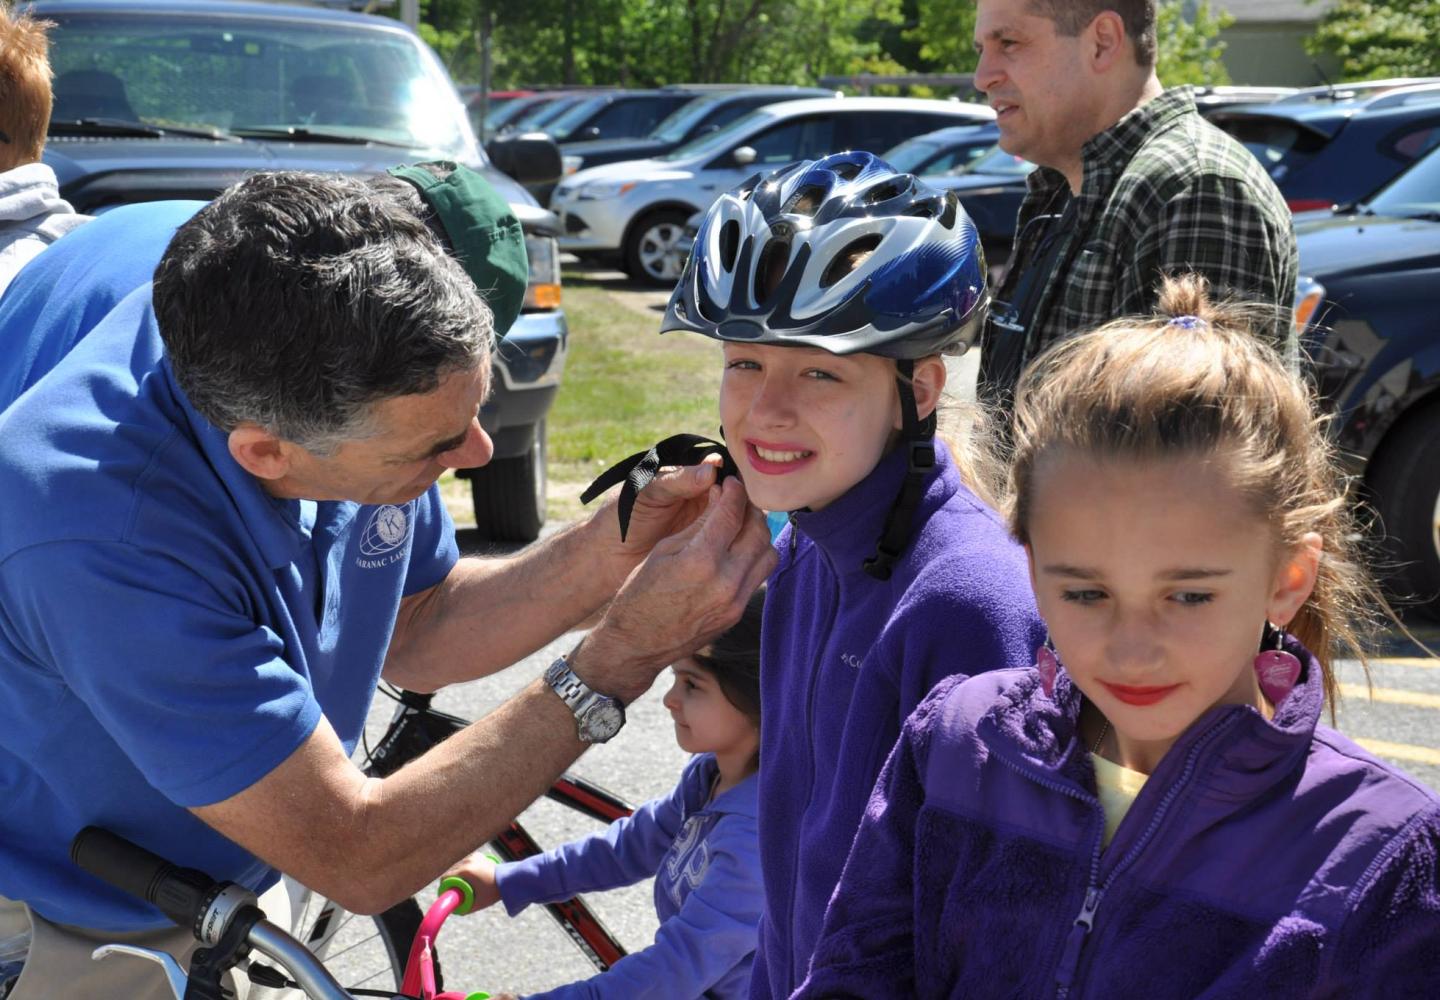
x: 598, y: 717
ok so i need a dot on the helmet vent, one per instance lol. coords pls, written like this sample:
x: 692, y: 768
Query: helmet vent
x: 771, y: 268
x: 807, y: 201
x: 846, y: 171
x: 952, y: 209
x: 729, y: 244
x: 884, y: 192
x: 850, y: 258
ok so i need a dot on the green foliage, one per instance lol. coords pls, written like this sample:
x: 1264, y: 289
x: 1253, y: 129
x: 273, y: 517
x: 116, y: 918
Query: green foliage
x: 1189, y: 49
x: 945, y: 31
x: 1378, y: 40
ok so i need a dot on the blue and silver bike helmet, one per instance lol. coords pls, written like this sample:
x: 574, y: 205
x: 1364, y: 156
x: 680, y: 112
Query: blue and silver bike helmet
x: 850, y: 256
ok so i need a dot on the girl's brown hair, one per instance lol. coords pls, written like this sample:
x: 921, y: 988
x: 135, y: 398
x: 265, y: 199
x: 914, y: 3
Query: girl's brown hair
x: 1196, y: 379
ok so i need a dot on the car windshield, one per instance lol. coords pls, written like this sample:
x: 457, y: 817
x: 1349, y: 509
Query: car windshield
x: 543, y: 114
x: 254, y: 73
x: 716, y: 141
x: 997, y: 161
x: 912, y: 154
x: 1416, y: 192
x: 673, y: 127
x: 574, y: 116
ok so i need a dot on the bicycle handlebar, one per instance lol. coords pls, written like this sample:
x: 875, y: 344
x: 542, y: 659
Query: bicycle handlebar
x: 196, y: 901
x: 182, y: 894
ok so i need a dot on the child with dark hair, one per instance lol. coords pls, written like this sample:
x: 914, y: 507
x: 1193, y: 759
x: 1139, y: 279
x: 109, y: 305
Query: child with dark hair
x: 1154, y: 809
x: 699, y: 842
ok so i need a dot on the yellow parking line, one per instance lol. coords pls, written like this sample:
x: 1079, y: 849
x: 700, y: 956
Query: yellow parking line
x: 1391, y: 696
x: 1403, y: 751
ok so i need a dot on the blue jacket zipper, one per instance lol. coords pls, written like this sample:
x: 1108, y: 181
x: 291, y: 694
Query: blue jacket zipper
x: 1095, y: 892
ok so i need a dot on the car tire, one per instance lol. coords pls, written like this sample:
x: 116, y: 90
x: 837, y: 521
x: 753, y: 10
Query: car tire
x: 651, y: 254
x: 509, y: 494
x: 1404, y: 485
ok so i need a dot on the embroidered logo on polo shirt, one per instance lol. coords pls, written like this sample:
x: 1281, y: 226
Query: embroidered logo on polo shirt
x: 387, y: 530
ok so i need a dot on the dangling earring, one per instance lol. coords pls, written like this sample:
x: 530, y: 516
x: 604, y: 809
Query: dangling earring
x: 1276, y: 669
x: 1048, y: 664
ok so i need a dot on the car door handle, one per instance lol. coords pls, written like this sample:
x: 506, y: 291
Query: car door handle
x: 708, y: 187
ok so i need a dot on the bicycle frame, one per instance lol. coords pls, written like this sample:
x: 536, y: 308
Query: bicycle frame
x: 416, y: 727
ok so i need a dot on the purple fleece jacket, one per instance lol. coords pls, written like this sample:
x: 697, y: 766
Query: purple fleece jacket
x: 1262, y: 859
x: 845, y: 658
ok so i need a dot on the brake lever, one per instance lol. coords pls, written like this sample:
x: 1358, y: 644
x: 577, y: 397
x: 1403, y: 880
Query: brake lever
x: 173, y: 973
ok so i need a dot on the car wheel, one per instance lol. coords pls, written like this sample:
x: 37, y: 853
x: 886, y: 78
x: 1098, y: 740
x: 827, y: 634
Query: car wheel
x: 1405, y: 487
x: 652, y: 253
x: 509, y: 495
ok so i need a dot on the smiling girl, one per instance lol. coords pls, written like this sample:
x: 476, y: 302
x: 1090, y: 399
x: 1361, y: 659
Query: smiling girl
x: 835, y: 287
x: 1164, y: 815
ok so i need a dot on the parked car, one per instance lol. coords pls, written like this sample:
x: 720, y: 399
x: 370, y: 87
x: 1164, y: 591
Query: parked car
x: 1323, y: 152
x: 701, y: 115
x: 944, y: 151
x: 182, y: 98
x: 538, y: 112
x: 638, y: 208
x: 493, y: 102
x: 991, y: 189
x: 1368, y: 309
x: 618, y: 114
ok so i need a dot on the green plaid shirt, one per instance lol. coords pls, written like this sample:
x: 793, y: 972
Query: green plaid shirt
x: 1164, y: 193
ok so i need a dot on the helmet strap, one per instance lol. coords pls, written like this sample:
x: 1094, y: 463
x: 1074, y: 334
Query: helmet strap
x: 917, y: 437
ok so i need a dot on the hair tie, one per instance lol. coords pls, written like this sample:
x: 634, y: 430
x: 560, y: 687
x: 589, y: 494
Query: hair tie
x: 1189, y: 323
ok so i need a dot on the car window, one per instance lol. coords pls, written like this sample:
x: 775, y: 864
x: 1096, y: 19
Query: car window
x: 707, y: 145
x: 1412, y: 143
x: 679, y: 123
x: 1281, y: 146
x: 806, y: 138
x: 996, y: 161
x: 235, y: 74
x: 877, y: 131
x: 574, y: 116
x: 731, y: 110
x: 1415, y: 192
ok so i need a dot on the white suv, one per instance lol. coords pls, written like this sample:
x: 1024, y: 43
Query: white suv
x: 638, y: 208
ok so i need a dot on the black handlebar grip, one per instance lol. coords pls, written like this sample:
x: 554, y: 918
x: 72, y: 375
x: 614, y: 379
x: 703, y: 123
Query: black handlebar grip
x: 182, y: 894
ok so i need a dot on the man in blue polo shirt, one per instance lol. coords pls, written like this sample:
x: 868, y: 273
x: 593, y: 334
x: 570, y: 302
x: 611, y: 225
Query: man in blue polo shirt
x: 221, y: 528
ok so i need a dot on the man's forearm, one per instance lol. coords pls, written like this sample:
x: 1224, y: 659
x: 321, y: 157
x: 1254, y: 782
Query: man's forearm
x: 489, y: 613
x: 369, y: 842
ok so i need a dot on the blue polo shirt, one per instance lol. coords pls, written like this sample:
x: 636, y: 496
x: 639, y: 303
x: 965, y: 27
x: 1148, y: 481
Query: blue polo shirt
x: 169, y: 632
x: 59, y: 297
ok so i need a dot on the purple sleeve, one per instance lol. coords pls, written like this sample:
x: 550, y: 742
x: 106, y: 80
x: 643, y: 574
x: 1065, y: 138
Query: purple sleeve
x: 1389, y: 945
x: 866, y: 947
x: 629, y: 850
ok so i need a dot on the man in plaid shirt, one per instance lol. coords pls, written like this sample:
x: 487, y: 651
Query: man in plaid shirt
x: 1133, y: 184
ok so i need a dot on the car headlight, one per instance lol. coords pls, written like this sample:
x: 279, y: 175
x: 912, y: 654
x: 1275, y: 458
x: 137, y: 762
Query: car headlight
x: 543, y: 291
x: 570, y: 164
x: 605, y: 189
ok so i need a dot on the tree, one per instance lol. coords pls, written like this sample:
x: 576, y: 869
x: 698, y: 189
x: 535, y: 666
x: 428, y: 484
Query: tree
x: 1189, y: 47
x: 1377, y: 40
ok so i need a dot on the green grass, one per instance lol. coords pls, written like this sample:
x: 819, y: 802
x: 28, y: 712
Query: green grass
x: 625, y: 388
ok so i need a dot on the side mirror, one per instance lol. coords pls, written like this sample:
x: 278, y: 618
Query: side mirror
x: 743, y: 156
x: 532, y: 158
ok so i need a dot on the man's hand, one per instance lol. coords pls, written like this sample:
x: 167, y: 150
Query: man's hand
x: 479, y: 872
x: 668, y: 505
x: 692, y: 586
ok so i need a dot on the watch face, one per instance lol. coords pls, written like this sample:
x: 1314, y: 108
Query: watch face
x: 601, y: 722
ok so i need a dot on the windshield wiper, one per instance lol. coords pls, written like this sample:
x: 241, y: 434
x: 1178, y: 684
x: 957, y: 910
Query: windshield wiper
x: 121, y: 127
x: 300, y: 133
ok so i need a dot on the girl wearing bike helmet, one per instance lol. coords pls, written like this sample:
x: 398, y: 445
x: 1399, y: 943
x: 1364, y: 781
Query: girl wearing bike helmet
x: 835, y: 286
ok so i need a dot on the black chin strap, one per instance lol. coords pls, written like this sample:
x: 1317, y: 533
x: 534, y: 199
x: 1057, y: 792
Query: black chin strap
x: 637, y: 471
x: 917, y: 438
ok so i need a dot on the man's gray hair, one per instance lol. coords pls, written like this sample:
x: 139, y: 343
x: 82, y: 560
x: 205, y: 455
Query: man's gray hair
x: 297, y: 301
x: 1073, y: 16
